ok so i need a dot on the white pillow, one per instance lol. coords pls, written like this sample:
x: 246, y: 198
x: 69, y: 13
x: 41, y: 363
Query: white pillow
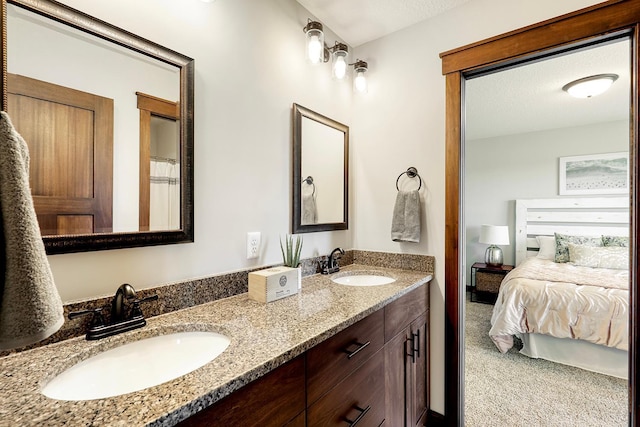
x: 547, y: 246
x: 614, y: 257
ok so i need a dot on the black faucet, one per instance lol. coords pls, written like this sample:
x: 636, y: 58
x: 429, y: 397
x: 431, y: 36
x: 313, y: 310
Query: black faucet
x: 127, y: 292
x: 331, y: 265
x: 120, y: 320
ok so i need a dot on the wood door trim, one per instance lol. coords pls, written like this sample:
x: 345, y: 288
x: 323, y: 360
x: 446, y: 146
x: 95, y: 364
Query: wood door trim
x: 590, y: 23
x: 150, y: 105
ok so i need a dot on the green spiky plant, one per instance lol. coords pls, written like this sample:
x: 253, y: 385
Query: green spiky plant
x: 291, y: 251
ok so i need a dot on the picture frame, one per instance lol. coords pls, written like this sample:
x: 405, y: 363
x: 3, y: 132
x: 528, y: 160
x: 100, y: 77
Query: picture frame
x: 593, y: 174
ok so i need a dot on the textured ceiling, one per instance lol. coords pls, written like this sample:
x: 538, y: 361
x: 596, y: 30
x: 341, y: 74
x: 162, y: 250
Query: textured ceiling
x: 359, y: 21
x: 530, y: 98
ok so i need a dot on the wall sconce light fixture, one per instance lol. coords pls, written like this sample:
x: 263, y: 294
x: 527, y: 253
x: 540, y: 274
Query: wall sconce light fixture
x: 360, y: 80
x: 318, y: 52
x: 590, y: 86
x: 339, y: 65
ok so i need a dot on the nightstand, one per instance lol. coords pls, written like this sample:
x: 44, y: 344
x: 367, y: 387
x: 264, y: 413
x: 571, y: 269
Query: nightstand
x: 486, y: 280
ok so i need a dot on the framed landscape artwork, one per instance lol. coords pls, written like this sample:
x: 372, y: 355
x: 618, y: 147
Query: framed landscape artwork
x: 594, y: 174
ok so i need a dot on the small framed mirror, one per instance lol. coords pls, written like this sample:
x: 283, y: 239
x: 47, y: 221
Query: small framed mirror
x: 108, y: 119
x: 320, y: 172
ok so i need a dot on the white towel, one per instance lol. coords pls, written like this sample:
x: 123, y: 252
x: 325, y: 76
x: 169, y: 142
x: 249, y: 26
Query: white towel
x: 30, y: 306
x: 309, y: 210
x: 405, y: 224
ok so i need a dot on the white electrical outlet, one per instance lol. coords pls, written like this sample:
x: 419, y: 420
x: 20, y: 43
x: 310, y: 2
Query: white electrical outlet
x: 253, y: 244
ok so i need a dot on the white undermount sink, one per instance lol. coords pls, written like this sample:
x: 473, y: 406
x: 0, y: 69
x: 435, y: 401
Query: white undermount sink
x: 358, y: 278
x: 136, y: 366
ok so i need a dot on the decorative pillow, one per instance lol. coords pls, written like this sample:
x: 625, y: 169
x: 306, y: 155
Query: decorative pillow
x: 614, y: 257
x: 615, y: 241
x: 563, y: 240
x: 547, y: 246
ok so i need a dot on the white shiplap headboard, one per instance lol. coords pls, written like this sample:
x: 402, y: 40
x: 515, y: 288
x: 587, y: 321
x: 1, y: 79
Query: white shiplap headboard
x: 587, y: 216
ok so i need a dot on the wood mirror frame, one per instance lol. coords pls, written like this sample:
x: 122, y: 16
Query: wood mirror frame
x: 300, y: 112
x: 585, y: 26
x: 100, y: 241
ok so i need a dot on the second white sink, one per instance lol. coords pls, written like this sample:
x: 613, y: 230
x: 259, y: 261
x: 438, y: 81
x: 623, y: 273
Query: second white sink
x: 362, y: 279
x: 136, y: 366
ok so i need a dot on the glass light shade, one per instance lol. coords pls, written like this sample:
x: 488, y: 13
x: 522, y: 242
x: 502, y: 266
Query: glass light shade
x: 339, y: 66
x: 494, y: 234
x: 315, y: 42
x: 360, y: 82
x: 590, y: 86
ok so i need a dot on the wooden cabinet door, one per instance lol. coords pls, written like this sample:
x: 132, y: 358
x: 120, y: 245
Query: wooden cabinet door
x: 418, y: 367
x: 396, y: 379
x: 70, y: 138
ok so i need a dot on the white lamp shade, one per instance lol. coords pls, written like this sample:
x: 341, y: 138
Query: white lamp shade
x: 494, y: 234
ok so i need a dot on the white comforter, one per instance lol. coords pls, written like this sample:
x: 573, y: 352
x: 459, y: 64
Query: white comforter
x: 562, y: 300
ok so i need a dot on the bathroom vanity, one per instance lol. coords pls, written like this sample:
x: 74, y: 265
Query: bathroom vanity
x: 329, y: 354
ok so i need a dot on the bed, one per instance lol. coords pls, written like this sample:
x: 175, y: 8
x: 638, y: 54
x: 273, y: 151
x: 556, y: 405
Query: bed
x: 568, y: 297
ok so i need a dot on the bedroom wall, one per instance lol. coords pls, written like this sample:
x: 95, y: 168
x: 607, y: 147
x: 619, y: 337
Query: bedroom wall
x: 525, y: 166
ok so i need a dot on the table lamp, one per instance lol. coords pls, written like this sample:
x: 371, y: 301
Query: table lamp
x: 494, y: 235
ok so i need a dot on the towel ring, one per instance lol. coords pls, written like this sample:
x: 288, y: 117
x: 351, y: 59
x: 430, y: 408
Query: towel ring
x: 309, y: 181
x: 411, y: 173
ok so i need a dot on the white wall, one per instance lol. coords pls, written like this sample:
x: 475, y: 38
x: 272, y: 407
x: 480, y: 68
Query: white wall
x: 502, y: 169
x: 249, y: 69
x: 400, y: 123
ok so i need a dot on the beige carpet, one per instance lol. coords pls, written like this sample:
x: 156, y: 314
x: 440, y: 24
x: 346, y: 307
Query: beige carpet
x: 513, y: 390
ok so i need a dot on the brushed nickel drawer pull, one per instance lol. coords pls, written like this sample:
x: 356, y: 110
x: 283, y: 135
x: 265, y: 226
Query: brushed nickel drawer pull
x: 361, y: 347
x: 363, y: 412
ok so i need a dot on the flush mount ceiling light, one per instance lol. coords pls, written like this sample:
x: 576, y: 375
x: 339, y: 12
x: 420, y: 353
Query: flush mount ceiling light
x: 590, y: 86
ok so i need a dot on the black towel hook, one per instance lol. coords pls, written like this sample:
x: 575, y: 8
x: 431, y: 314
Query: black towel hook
x: 411, y: 173
x: 309, y: 181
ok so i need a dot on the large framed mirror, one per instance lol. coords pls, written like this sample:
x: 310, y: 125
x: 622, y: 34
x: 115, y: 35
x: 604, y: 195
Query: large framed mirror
x: 320, y: 172
x: 108, y: 119
x: 582, y: 31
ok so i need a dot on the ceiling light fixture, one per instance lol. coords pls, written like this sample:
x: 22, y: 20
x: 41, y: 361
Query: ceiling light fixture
x: 590, y: 86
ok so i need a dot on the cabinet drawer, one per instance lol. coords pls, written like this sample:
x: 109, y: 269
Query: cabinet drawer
x: 361, y: 394
x: 404, y: 310
x: 332, y: 360
x: 272, y: 400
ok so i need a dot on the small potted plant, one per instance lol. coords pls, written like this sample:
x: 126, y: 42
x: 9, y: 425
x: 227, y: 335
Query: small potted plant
x: 291, y: 254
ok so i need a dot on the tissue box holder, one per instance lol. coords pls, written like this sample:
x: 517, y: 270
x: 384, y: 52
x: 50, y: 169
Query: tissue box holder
x: 273, y: 283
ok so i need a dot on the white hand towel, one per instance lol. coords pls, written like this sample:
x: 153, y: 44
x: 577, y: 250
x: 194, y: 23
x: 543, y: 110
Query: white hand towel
x: 405, y: 224
x: 309, y: 210
x: 30, y: 306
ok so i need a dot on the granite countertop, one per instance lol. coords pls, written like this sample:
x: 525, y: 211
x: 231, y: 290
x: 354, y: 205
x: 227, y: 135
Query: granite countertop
x: 263, y: 337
